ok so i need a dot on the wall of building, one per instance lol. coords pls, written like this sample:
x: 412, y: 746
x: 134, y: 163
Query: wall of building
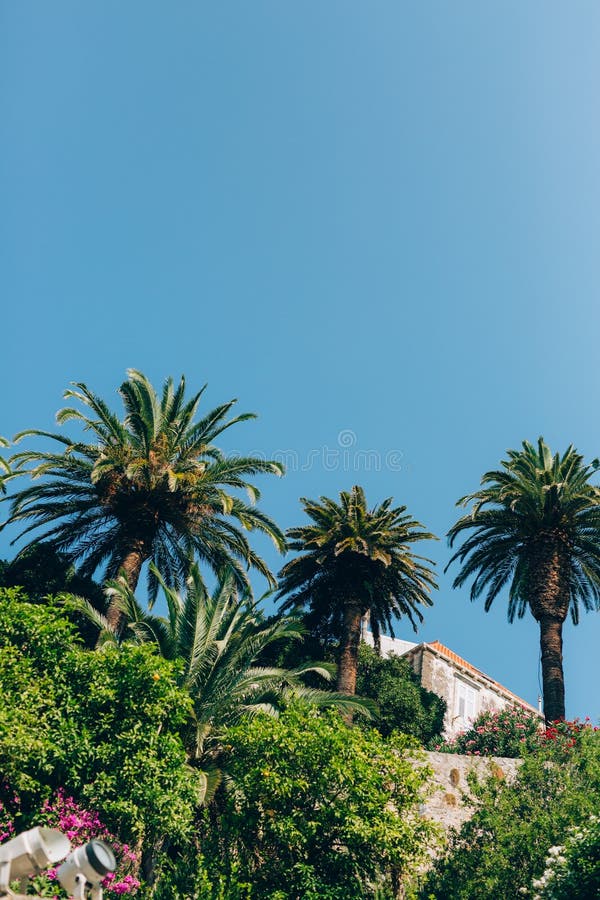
x: 389, y: 644
x: 445, y: 679
x: 448, y: 803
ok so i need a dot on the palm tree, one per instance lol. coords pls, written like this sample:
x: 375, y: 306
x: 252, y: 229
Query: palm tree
x: 355, y: 560
x: 219, y: 640
x: 152, y: 486
x: 535, y: 525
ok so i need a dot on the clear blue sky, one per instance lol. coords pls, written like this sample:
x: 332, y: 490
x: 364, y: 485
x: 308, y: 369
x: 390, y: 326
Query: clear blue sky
x: 375, y: 223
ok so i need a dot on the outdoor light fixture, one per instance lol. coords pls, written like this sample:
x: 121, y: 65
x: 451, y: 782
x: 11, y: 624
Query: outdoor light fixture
x: 39, y: 848
x: 30, y: 853
x: 86, y: 865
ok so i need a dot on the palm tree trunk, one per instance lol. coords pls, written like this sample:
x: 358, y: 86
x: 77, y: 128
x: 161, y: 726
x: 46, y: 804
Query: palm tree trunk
x: 348, y: 661
x: 549, y: 603
x: 552, y: 668
x: 131, y: 566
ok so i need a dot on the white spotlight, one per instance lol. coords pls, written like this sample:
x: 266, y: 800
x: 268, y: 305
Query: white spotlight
x: 86, y: 865
x: 30, y: 853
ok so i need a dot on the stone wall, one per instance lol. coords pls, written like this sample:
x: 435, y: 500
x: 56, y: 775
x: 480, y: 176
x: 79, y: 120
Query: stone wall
x: 447, y: 804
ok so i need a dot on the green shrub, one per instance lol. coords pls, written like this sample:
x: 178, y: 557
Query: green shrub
x: 508, y: 732
x: 573, y: 870
x: 404, y: 705
x: 319, y: 809
x: 104, y: 726
x: 501, y: 850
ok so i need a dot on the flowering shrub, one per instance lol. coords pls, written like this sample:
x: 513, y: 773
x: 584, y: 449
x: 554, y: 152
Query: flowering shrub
x: 573, y: 870
x: 512, y: 732
x: 80, y: 826
x: 564, y: 734
x: 9, y: 807
x: 507, y: 732
x: 502, y: 850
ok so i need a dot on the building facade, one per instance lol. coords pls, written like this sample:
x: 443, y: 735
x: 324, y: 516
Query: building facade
x: 467, y: 690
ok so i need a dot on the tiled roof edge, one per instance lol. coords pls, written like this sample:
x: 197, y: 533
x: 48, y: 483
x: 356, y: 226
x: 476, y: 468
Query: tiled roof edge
x: 441, y: 650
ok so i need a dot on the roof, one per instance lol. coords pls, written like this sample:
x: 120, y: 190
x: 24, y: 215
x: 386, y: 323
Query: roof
x: 441, y: 650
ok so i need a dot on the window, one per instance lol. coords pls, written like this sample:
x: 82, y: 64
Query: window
x: 465, y: 703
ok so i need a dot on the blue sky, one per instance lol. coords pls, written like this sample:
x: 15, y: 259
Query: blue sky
x: 374, y: 223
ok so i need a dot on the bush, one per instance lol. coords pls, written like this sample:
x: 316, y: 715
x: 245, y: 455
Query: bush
x: 404, y: 705
x: 106, y: 727
x: 509, y: 732
x: 319, y: 810
x: 512, y: 732
x: 503, y: 847
x: 573, y: 870
x: 80, y: 826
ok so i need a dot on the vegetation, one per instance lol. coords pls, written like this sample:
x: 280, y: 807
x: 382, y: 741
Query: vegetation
x: 200, y: 740
x: 320, y: 809
x: 41, y: 571
x: 508, y: 732
x: 107, y: 728
x: 106, y: 732
x: 502, y: 850
x: 535, y: 526
x: 217, y: 640
x: 573, y: 870
x: 353, y: 560
x: 403, y: 704
x: 153, y: 486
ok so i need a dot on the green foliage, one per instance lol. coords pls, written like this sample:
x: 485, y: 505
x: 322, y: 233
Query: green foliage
x: 503, y: 848
x: 150, y: 486
x: 573, y: 870
x: 104, y: 726
x: 217, y: 640
x: 534, y: 497
x: 353, y: 560
x: 533, y: 529
x: 508, y: 732
x: 319, y: 809
x: 43, y: 571
x: 404, y: 705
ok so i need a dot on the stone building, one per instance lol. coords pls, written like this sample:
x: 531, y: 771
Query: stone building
x: 467, y: 690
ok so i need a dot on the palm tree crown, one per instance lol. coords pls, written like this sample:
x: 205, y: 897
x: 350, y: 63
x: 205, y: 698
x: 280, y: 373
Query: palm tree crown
x: 535, y: 525
x: 356, y: 560
x: 153, y: 486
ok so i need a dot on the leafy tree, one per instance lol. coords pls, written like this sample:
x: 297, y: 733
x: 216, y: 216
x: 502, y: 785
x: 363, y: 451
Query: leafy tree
x: 404, y: 705
x: 320, y: 810
x: 153, y: 486
x: 535, y: 527
x: 352, y: 560
x: 218, y: 640
x: 503, y: 848
x: 106, y: 727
